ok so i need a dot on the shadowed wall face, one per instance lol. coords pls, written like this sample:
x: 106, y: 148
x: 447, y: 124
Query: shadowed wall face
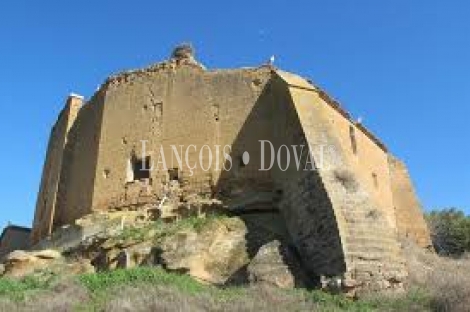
x: 363, y: 212
x: 305, y: 204
x: 298, y: 194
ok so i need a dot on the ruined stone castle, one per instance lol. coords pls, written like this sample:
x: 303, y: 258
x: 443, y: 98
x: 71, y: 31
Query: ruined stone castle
x: 345, y: 218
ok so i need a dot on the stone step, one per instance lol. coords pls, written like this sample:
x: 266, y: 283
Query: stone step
x: 368, y: 232
x: 373, y: 256
x: 376, y: 248
x: 361, y: 239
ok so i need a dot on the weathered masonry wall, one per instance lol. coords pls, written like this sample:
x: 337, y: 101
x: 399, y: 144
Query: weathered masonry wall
x: 410, y: 219
x: 79, y: 166
x: 305, y: 204
x: 183, y: 107
x: 47, y: 197
x: 344, y: 206
x: 366, y: 225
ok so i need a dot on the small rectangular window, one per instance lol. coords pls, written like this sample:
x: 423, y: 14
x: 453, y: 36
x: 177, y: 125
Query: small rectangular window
x: 141, y: 168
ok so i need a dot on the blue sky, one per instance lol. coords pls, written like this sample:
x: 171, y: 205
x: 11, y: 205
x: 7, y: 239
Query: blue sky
x: 404, y: 66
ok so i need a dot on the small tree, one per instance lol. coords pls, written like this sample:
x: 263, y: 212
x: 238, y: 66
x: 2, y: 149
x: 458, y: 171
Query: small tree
x: 450, y: 231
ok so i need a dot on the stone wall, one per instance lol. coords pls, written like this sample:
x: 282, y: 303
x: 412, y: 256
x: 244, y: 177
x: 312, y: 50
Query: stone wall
x: 353, y: 195
x: 47, y: 198
x: 305, y: 203
x: 77, y: 181
x: 182, y: 107
x: 344, y: 206
x: 410, y: 219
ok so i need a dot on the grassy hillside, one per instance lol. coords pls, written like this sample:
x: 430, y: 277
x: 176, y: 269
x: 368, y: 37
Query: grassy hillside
x: 435, y: 284
x: 148, y: 289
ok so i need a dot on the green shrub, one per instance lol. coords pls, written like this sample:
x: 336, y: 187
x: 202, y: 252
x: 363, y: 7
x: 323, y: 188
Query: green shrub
x: 155, y: 276
x: 17, y: 289
x: 450, y: 231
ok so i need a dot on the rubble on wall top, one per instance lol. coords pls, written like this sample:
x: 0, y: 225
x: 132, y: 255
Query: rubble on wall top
x: 183, y: 54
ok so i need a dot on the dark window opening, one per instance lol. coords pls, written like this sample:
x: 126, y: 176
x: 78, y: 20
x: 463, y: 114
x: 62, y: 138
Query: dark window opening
x: 352, y: 135
x: 141, y: 168
x: 106, y: 173
x: 173, y: 174
x: 375, y: 179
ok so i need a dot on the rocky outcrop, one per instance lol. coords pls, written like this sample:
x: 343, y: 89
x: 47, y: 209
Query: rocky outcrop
x: 278, y: 265
x: 217, y: 250
x: 252, y: 248
x: 211, y: 252
x: 212, y: 255
x: 19, y: 264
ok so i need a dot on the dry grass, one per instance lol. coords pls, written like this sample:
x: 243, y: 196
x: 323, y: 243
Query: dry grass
x: 147, y: 297
x: 63, y: 297
x: 164, y: 299
x: 146, y: 289
x: 447, y: 280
